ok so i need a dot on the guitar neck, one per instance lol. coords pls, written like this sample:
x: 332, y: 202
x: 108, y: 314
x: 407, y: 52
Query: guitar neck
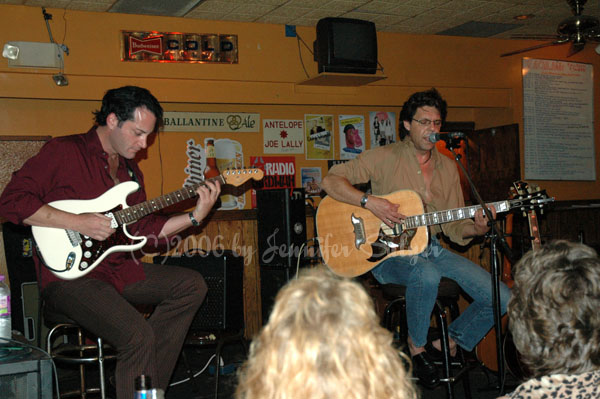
x: 450, y: 215
x: 138, y: 211
x: 534, y: 231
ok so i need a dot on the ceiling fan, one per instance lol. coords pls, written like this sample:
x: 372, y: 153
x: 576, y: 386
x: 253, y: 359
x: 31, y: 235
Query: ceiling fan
x: 576, y: 30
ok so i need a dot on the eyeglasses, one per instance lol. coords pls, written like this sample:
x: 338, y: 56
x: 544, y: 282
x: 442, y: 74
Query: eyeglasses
x: 427, y: 122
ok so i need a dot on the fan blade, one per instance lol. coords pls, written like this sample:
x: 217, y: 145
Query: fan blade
x: 560, y: 41
x: 575, y: 48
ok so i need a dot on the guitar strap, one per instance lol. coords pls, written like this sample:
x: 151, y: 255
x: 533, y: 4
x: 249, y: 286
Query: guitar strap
x: 131, y: 173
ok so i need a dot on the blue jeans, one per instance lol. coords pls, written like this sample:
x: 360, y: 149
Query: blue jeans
x: 421, y: 274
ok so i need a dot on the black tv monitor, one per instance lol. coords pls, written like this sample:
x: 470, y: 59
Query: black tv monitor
x: 346, y: 45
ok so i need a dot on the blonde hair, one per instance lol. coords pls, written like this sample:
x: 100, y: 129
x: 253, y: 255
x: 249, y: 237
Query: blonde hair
x: 323, y: 340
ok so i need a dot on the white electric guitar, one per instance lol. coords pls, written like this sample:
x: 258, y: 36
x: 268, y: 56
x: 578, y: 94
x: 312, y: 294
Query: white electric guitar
x: 70, y: 255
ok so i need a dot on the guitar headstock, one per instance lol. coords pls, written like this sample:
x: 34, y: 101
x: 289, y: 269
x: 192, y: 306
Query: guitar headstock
x: 528, y: 197
x: 236, y: 177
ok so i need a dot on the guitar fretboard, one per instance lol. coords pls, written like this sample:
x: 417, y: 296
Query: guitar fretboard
x: 138, y: 211
x: 450, y: 215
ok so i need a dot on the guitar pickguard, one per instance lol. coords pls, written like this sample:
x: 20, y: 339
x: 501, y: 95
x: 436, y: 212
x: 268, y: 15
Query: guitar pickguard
x: 359, y: 231
x: 387, y: 243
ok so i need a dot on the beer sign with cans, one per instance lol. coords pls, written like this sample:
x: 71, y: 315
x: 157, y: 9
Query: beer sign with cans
x: 178, y: 47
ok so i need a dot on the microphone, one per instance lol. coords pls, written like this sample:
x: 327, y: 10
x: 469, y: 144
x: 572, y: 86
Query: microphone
x: 447, y: 137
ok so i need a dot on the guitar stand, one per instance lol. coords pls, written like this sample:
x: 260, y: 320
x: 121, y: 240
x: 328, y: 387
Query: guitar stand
x: 494, y: 235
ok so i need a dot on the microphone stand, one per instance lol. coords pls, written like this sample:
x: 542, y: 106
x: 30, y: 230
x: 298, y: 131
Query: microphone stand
x: 495, y: 235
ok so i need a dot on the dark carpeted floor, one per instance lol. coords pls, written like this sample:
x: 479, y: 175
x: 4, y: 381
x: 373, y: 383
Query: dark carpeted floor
x: 483, y: 383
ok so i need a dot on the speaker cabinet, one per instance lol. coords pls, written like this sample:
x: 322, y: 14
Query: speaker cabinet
x: 223, y: 308
x: 281, y: 225
x: 272, y: 279
x: 18, y: 248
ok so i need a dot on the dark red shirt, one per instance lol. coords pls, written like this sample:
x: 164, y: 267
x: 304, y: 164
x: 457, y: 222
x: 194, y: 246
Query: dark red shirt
x: 76, y: 167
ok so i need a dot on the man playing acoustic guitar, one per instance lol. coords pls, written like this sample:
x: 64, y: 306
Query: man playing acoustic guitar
x: 83, y: 167
x: 414, y: 164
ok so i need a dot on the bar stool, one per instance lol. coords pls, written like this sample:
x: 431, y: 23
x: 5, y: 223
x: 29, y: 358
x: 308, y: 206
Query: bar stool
x: 394, y: 319
x: 68, y: 343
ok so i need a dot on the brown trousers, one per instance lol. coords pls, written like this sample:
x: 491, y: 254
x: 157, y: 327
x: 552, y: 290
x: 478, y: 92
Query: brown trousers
x: 144, y: 346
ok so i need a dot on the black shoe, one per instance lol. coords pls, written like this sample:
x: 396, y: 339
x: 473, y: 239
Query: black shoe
x: 437, y: 355
x: 425, y: 370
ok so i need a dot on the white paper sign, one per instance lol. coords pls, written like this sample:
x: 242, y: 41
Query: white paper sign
x: 558, y: 113
x: 283, y: 136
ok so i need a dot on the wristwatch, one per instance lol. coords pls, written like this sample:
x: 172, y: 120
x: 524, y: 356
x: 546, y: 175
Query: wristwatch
x: 193, y: 219
x: 363, y: 200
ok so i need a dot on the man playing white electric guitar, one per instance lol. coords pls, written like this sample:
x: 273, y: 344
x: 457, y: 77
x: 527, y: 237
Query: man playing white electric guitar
x: 83, y: 167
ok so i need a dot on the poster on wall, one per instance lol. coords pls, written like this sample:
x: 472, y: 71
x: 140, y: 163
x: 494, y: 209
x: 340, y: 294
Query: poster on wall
x: 352, y: 135
x: 383, y: 128
x: 558, y: 116
x: 229, y: 155
x: 319, y: 136
x: 311, y: 180
x: 281, y: 136
x: 279, y: 172
x: 211, y: 122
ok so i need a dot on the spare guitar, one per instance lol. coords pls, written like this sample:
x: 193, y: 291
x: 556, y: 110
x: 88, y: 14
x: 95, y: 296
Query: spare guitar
x: 511, y: 354
x: 70, y: 255
x: 486, y: 348
x: 353, y: 241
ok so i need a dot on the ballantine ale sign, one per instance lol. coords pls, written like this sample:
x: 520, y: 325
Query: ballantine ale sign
x: 228, y: 122
x: 178, y: 47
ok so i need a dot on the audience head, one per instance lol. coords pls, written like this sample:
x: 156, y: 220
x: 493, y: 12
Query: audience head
x: 554, y: 310
x: 323, y: 340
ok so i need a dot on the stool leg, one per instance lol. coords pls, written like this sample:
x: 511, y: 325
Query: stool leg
x: 218, y: 367
x: 81, y: 366
x: 466, y: 382
x: 101, y: 369
x: 445, y: 344
x: 190, y: 372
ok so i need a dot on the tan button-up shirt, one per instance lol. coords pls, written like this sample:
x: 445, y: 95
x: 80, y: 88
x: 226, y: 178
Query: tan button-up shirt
x: 395, y: 167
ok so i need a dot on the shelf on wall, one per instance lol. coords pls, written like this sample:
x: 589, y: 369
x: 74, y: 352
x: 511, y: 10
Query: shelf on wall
x: 341, y: 79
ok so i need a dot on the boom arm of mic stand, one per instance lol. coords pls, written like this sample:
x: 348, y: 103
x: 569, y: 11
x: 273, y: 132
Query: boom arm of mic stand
x: 495, y: 270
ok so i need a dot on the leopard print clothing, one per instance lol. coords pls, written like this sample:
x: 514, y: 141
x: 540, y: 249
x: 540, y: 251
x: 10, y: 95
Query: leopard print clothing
x: 557, y: 386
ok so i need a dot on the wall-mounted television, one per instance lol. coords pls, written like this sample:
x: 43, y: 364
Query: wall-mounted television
x: 346, y: 45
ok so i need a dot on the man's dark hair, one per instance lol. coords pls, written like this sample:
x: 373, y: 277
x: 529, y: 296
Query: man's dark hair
x: 124, y: 100
x: 420, y: 99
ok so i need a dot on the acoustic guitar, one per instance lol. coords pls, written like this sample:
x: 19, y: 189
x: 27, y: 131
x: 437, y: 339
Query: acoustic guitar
x: 353, y: 241
x: 70, y: 255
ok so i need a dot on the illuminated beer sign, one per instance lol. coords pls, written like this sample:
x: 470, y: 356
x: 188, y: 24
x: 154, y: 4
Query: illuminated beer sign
x: 179, y: 47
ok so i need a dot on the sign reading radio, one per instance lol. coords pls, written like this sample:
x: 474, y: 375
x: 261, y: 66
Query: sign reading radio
x: 178, y: 47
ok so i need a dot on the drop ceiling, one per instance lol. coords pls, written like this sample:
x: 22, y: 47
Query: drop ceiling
x: 478, y: 18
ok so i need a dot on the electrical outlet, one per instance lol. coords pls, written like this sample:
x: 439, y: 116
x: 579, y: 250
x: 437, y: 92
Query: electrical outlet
x: 290, y: 31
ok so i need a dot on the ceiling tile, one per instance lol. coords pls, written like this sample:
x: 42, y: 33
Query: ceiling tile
x: 274, y: 19
x: 292, y: 12
x: 215, y: 16
x: 376, y: 7
x: 214, y: 6
x: 404, y: 16
x: 43, y: 3
x: 253, y: 9
x: 90, y: 6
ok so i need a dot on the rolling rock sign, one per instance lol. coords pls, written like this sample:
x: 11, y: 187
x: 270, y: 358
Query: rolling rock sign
x: 178, y: 47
